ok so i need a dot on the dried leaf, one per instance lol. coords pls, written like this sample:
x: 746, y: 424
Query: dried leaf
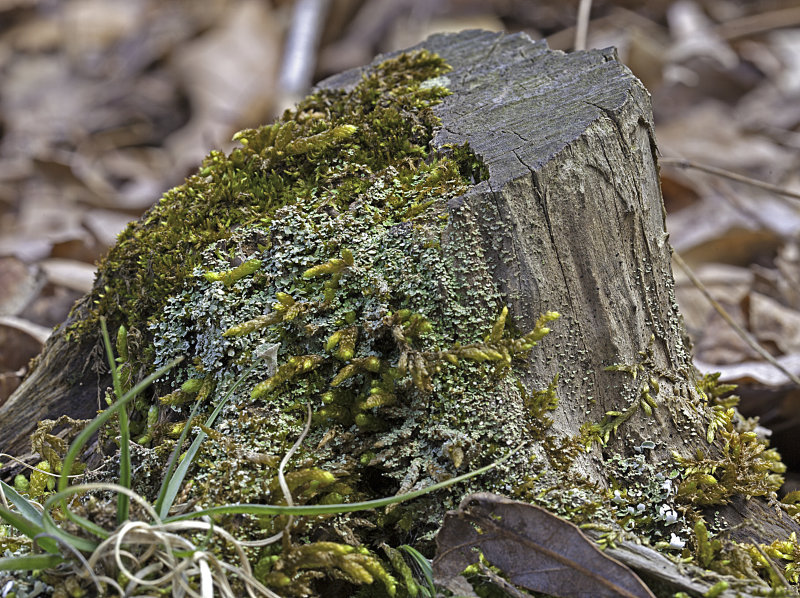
x: 533, y: 548
x: 20, y: 341
x: 748, y: 372
x: 229, y: 74
x: 772, y: 322
x: 71, y: 274
x: 19, y: 284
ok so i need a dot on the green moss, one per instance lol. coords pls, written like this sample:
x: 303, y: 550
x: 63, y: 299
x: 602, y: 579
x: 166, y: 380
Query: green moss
x: 645, y: 376
x: 746, y: 467
x: 716, y: 393
x: 323, y: 254
x: 327, y: 151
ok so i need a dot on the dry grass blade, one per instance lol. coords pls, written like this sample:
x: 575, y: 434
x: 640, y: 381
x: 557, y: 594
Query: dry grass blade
x: 287, y: 495
x: 159, y: 555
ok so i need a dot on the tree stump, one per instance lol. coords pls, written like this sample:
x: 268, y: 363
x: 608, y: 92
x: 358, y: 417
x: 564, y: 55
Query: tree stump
x: 564, y: 214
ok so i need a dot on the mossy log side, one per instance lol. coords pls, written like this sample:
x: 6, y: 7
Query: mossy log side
x: 571, y: 219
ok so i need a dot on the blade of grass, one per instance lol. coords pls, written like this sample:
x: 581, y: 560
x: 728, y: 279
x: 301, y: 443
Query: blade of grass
x: 76, y: 542
x: 172, y: 483
x: 424, y: 565
x: 307, y: 510
x: 123, y: 506
x: 28, y: 528
x: 95, y: 424
x: 51, y: 529
x: 24, y: 506
x: 30, y: 562
x: 83, y: 438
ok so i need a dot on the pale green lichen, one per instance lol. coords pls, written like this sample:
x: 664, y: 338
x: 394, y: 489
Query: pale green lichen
x: 320, y: 260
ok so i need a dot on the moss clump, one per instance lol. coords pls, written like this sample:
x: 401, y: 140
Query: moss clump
x: 746, y: 467
x: 327, y: 151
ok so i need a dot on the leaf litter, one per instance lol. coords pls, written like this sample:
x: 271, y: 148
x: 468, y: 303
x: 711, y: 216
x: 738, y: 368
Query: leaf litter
x: 533, y: 548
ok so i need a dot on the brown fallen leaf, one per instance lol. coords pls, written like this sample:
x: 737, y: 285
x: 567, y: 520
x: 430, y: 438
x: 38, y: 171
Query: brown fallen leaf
x: 20, y: 341
x: 19, y: 284
x: 532, y: 547
x: 772, y: 322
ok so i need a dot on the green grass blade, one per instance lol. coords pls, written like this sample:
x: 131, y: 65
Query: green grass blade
x: 28, y: 528
x: 123, y: 504
x: 30, y: 562
x: 24, y: 506
x: 98, y: 421
x: 424, y: 565
x: 171, y: 484
x: 74, y: 451
x: 51, y: 528
x: 308, y: 510
x: 83, y: 544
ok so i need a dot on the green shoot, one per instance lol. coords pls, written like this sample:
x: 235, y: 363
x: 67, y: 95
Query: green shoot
x: 172, y: 483
x: 124, y: 429
x: 30, y: 562
x: 424, y: 565
x: 306, y: 510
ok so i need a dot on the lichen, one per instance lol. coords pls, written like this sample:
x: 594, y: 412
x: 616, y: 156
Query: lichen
x: 319, y: 261
x: 328, y: 150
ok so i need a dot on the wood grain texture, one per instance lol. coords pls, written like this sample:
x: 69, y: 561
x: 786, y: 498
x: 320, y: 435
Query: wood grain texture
x: 571, y: 219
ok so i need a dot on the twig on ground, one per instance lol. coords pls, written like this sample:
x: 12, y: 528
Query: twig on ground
x: 746, y: 336
x: 582, y: 25
x: 684, y: 164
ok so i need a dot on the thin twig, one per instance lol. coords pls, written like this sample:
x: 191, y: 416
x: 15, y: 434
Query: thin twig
x: 772, y: 566
x: 503, y: 584
x: 582, y: 25
x: 299, y: 58
x: 681, y: 163
x: 745, y: 336
x: 759, y: 23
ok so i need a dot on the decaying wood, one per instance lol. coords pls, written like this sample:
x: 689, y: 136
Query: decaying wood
x: 571, y: 219
x: 64, y: 380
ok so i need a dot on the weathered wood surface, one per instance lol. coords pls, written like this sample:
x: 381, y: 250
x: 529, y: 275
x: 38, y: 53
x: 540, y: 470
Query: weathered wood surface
x: 65, y: 380
x: 571, y: 219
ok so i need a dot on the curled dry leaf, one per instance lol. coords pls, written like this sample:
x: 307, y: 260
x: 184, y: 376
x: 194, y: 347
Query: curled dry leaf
x: 19, y: 284
x: 532, y: 547
x: 20, y: 341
